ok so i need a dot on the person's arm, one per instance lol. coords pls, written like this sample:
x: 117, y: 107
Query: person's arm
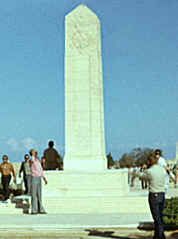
x: 21, y: 169
x: 13, y: 173
x: 44, y: 154
x: 46, y: 182
x: 57, y: 156
x: 176, y: 177
x: 171, y: 175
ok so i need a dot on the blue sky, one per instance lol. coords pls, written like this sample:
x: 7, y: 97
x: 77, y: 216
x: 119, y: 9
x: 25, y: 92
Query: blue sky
x: 140, y: 74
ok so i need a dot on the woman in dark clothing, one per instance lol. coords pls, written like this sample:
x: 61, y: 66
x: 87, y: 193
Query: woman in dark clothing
x: 25, y: 168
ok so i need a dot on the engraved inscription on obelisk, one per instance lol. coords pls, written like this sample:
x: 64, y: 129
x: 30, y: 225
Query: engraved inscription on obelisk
x: 84, y: 110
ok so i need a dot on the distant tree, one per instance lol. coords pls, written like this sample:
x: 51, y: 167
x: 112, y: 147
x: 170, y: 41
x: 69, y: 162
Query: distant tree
x: 127, y: 160
x: 137, y: 156
x: 110, y: 161
x: 117, y: 164
x: 141, y: 155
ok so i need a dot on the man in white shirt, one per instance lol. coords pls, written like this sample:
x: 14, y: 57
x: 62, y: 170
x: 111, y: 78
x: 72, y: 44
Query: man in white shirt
x: 155, y: 174
x: 162, y: 163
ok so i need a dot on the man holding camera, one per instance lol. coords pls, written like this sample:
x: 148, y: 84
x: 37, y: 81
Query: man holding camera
x: 155, y: 174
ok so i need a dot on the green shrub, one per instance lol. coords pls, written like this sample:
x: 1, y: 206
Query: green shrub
x: 170, y: 212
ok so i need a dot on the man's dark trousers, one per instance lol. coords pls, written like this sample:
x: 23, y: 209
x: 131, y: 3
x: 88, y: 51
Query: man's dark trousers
x: 5, y: 183
x: 27, y: 182
x: 156, y: 202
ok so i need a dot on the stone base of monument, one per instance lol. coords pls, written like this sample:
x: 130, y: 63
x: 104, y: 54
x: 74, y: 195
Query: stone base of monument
x: 121, y: 205
x: 22, y: 202
x: 91, y: 192
x: 9, y: 208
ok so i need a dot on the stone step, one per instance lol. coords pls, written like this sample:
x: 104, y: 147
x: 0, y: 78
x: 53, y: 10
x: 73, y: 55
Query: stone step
x: 83, y: 193
x: 83, y: 205
x: 97, y: 205
x: 9, y: 208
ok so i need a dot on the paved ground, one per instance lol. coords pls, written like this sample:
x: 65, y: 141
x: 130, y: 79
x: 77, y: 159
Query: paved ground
x: 118, y: 233
x: 119, y: 226
x: 68, y: 221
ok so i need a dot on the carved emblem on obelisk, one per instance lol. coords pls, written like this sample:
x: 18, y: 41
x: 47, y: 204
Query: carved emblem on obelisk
x: 83, y: 34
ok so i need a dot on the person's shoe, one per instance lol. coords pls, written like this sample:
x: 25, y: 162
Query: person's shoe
x: 4, y: 201
x: 42, y: 212
x: 34, y: 213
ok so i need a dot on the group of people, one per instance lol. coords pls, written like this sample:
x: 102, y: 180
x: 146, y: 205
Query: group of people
x: 172, y: 172
x: 157, y: 175
x: 50, y: 160
x: 32, y: 168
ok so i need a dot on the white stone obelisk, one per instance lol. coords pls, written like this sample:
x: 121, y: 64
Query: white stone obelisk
x: 84, y: 106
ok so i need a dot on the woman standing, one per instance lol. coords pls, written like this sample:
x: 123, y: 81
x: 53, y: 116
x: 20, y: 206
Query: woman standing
x: 25, y: 168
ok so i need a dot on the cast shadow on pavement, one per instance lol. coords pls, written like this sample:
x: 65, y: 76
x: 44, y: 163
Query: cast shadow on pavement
x: 109, y: 235
x: 149, y: 226
x: 174, y: 235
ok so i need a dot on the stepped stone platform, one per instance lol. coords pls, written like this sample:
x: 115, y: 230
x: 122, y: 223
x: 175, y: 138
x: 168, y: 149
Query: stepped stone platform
x: 9, y: 208
x: 99, y: 205
x: 61, y: 196
x: 84, y: 192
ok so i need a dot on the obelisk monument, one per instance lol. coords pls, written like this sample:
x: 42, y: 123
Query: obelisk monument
x: 84, y: 106
x: 85, y: 185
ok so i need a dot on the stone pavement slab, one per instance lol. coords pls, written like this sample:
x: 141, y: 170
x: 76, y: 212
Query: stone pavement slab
x: 71, y: 221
